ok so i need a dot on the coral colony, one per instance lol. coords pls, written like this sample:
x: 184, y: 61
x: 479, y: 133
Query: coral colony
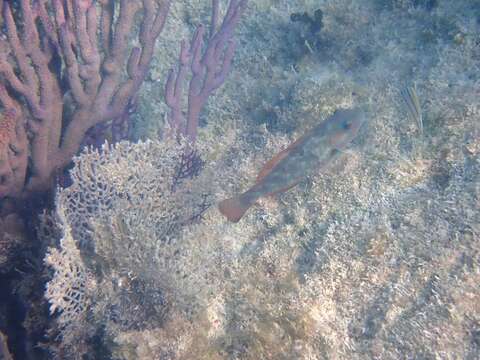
x: 209, y: 69
x: 54, y: 50
x: 69, y: 77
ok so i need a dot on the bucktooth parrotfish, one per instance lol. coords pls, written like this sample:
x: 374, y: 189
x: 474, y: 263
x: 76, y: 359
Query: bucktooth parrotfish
x: 310, y: 153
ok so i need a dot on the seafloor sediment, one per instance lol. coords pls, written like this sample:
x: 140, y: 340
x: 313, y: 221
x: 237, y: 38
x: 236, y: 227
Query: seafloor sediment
x: 377, y: 257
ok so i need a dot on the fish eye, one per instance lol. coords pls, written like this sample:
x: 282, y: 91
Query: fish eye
x: 346, y: 125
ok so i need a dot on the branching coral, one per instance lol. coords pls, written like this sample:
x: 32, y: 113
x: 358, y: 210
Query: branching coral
x: 52, y: 50
x: 68, y: 295
x: 127, y: 209
x: 70, y: 290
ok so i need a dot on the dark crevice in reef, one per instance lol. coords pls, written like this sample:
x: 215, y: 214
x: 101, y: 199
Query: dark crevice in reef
x: 12, y: 315
x: 23, y: 309
x: 24, y: 331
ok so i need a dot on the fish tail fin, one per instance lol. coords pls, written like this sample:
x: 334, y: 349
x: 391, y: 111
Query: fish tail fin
x: 234, y: 209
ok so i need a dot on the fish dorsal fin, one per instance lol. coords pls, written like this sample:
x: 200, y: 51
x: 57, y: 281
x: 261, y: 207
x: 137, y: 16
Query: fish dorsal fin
x: 268, y: 167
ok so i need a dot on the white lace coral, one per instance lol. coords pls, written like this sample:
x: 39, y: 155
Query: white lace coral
x: 67, y: 291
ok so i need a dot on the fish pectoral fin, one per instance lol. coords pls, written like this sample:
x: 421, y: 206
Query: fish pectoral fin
x: 268, y: 167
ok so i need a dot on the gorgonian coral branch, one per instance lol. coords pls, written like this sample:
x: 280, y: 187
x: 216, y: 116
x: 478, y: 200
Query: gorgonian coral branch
x: 52, y: 50
x: 209, y: 68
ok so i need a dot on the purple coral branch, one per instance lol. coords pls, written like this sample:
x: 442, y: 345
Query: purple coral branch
x: 209, y: 69
x: 88, y: 41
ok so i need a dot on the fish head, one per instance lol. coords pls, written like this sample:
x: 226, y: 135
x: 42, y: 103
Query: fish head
x: 344, y: 126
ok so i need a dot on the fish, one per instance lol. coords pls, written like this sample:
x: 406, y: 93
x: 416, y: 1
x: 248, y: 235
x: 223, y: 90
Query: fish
x: 307, y: 155
x: 414, y: 109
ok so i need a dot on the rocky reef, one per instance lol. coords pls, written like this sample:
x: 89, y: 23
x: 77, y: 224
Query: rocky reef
x: 377, y: 257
